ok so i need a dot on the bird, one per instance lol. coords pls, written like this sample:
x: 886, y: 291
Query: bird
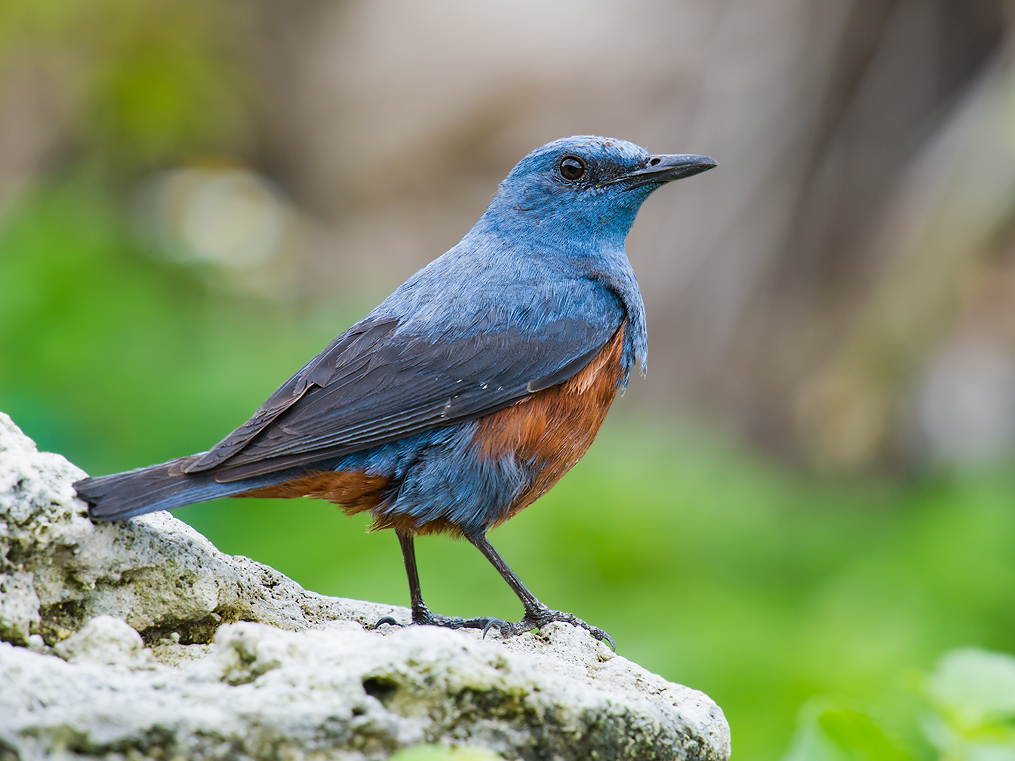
x: 470, y: 390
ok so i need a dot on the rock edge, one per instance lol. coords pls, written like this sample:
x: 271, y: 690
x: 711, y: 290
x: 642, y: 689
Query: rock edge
x: 141, y: 640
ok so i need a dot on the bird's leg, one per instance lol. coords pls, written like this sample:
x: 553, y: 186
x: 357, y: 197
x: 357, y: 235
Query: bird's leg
x: 536, y: 613
x: 421, y: 615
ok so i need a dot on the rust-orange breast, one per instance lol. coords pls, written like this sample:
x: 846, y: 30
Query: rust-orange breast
x: 555, y: 427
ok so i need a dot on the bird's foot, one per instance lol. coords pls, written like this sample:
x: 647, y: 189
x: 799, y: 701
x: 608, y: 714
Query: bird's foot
x: 540, y: 617
x: 423, y: 617
x: 534, y: 619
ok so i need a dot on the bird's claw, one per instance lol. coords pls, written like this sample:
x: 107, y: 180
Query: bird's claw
x: 385, y: 620
x: 536, y: 619
x: 500, y: 623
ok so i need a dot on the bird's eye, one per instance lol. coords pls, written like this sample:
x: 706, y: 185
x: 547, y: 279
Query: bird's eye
x: 572, y: 168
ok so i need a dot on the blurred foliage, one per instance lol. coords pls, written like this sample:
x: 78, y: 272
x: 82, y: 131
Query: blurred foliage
x: 91, y: 331
x: 142, y: 82
x: 709, y: 565
x: 965, y: 709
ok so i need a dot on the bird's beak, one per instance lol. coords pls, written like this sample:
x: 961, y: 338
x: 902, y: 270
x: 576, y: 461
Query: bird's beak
x: 665, y: 168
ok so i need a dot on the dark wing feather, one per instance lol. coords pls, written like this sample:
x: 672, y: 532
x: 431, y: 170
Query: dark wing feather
x: 353, y: 344
x: 372, y: 386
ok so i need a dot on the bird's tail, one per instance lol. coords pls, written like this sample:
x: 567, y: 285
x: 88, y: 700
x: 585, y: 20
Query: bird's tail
x: 157, y: 487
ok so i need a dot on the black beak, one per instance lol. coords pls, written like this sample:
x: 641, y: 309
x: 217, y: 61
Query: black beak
x: 666, y: 168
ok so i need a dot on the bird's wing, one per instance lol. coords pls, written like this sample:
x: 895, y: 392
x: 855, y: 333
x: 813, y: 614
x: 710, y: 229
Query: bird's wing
x: 373, y: 385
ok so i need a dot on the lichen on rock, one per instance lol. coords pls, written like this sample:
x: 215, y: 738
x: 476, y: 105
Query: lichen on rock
x: 141, y: 640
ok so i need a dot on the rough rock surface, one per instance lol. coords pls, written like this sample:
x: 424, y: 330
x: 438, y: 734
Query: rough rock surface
x: 140, y: 640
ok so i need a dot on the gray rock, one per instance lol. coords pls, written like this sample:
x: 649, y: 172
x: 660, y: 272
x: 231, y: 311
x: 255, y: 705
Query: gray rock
x: 141, y: 640
x: 105, y: 640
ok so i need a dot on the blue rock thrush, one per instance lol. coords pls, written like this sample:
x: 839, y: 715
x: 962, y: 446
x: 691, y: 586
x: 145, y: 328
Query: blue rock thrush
x: 470, y: 390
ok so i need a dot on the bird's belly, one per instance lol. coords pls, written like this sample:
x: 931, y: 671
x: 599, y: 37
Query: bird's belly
x: 552, y: 429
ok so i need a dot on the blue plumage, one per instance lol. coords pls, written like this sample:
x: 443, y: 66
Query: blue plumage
x: 469, y: 390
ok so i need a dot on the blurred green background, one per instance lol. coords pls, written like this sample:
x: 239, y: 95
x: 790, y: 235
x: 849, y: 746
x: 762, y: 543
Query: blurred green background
x: 805, y: 512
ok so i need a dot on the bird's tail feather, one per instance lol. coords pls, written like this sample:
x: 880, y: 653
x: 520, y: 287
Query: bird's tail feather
x: 157, y: 487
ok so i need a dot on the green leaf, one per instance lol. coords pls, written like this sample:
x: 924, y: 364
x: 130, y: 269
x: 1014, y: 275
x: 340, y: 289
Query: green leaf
x: 828, y: 730
x: 974, y: 687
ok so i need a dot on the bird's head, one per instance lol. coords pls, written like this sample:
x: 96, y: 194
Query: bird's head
x: 584, y: 189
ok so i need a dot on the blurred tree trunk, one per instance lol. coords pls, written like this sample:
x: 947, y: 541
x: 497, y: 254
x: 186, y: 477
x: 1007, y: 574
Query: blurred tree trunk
x: 803, y: 288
